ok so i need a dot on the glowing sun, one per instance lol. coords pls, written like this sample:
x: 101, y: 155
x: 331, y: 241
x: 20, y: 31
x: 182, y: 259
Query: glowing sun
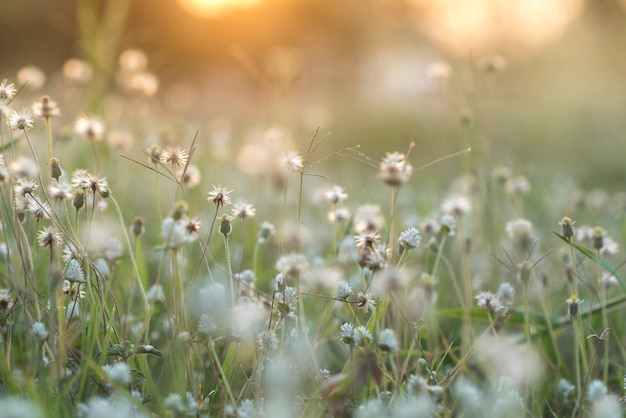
x: 214, y: 8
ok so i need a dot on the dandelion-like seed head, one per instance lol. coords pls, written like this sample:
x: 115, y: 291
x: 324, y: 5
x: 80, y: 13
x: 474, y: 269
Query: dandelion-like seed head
x: 33, y: 77
x: 368, y: 219
x: 292, y: 265
x: 517, y: 186
x: 265, y: 231
x: 39, y: 210
x: 46, y: 108
x: 21, y: 120
x: 174, y: 157
x: 267, y: 340
x: 24, y: 187
x: 77, y: 71
x: 365, y: 301
x: 291, y: 161
x: 374, y: 259
x: 48, y: 237
x: 366, y: 241
x: 394, y: 169
x: 6, y: 301
x: 335, y: 194
x: 519, y: 230
x: 243, y: 210
x: 192, y: 226
x: 456, y: 205
x: 610, y: 247
x: 219, y: 195
x: 7, y: 90
x: 90, y: 127
x: 341, y: 214
x: 489, y: 302
x: 430, y: 226
x: 190, y: 177
x: 390, y: 278
x: 83, y: 180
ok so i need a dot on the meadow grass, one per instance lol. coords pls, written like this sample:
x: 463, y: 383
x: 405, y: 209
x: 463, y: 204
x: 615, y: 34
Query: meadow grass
x: 161, y: 279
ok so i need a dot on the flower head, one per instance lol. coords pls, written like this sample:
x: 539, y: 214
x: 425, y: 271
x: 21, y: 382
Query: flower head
x: 291, y: 161
x: 368, y: 218
x: 83, y: 180
x: 91, y: 127
x: 267, y: 340
x: 573, y: 303
x: 335, y: 194
x: 519, y: 230
x: 74, y: 272
x: 343, y: 290
x: 48, y: 237
x: 387, y: 341
x: 489, y: 302
x: 517, y: 186
x: 265, y: 231
x: 219, y: 196
x: 39, y: 331
x: 21, y: 120
x: 456, y: 205
x: 292, y: 265
x: 24, y: 187
x: 60, y: 191
x: 394, y: 169
x: 366, y: 301
x: 243, y: 210
x: 6, y: 301
x: 409, y: 239
x: 190, y: 177
x: 7, y: 91
x: 46, y: 108
x: 174, y: 157
x: 567, y: 227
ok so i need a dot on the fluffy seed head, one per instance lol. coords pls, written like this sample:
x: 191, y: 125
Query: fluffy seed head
x: 291, y: 161
x: 394, y: 169
x: 21, y: 120
x: 219, y: 195
x: 91, y: 127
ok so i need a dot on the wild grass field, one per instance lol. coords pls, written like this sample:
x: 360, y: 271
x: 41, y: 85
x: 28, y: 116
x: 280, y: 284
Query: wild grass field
x: 155, y: 263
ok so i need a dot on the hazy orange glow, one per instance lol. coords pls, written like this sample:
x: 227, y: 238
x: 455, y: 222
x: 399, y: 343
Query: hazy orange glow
x: 214, y: 8
x: 478, y: 25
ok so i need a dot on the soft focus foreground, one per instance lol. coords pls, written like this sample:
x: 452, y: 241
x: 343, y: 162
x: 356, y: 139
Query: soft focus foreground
x: 422, y: 220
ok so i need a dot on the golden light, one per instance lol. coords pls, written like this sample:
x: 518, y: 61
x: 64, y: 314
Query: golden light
x: 215, y: 8
x: 486, y: 25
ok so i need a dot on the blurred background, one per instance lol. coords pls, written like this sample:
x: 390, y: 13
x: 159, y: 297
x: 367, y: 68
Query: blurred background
x: 526, y: 83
